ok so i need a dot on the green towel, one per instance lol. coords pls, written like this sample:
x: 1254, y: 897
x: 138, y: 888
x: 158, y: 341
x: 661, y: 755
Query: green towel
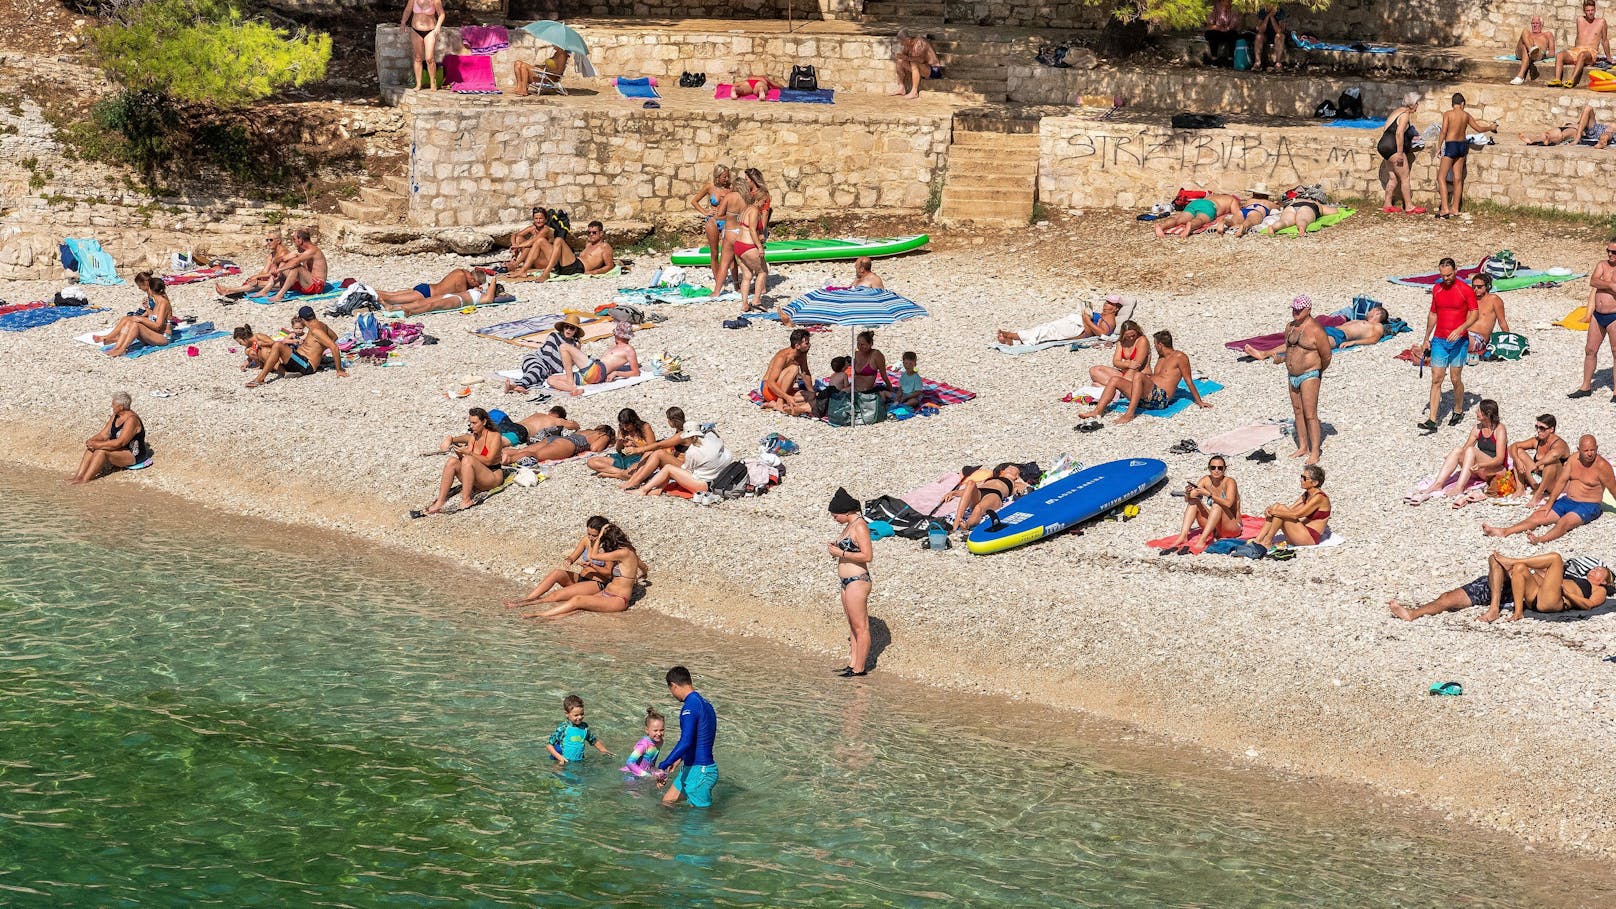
x: 1322, y: 222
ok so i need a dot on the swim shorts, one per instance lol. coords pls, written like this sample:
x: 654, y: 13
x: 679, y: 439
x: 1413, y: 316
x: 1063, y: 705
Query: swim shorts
x: 1447, y: 354
x: 424, y: 290
x: 576, y: 268
x: 1156, y: 400
x: 1456, y: 149
x: 593, y: 374
x: 768, y: 395
x: 1336, y: 335
x: 1480, y: 592
x: 296, y: 363
x: 310, y: 289
x: 1201, y: 207
x: 1588, y: 512
x: 696, y: 783
x: 1477, y: 344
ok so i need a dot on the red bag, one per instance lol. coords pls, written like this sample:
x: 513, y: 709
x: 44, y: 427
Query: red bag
x: 1186, y: 196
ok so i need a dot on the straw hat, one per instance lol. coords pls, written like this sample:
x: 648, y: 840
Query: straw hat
x: 1261, y: 190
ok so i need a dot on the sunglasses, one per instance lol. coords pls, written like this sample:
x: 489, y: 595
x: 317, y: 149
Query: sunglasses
x: 1216, y: 467
x: 1542, y: 428
x: 1610, y: 252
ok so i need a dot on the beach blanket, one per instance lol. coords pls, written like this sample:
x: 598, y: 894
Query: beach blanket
x: 95, y: 265
x: 725, y: 91
x: 614, y: 272
x: 1523, y: 277
x: 35, y: 316
x: 515, y: 375
x: 798, y: 96
x: 928, y: 499
x: 643, y: 87
x: 183, y: 336
x: 1250, y: 526
x: 1180, y: 403
x: 1241, y: 441
x: 1576, y: 320
x: 937, y: 393
x: 19, y: 307
x: 1265, y: 343
x: 201, y: 274
x: 484, y: 40
x: 674, y: 294
x: 520, y: 328
x: 331, y: 292
x: 1021, y: 350
x: 468, y: 74
x: 1363, y: 123
x: 1320, y: 224
x: 1308, y: 42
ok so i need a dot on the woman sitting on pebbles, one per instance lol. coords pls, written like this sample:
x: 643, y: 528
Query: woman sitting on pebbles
x: 627, y: 572
x: 474, y: 459
x: 1481, y: 456
x: 1212, y: 504
x: 978, y: 500
x: 631, y: 431
x: 1304, y: 522
x: 583, y: 571
x: 254, y: 345
x: 563, y: 446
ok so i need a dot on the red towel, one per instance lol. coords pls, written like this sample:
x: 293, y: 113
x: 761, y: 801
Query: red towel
x: 1250, y: 526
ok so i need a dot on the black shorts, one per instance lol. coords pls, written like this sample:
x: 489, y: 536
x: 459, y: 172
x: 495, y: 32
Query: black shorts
x: 296, y: 363
x: 1480, y: 592
x: 576, y: 268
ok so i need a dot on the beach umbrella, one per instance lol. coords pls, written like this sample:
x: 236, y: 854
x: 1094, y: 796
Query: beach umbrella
x: 855, y: 307
x: 559, y: 34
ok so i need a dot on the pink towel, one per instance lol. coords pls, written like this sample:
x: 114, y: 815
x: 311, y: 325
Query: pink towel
x: 469, y: 75
x: 484, y: 40
x: 725, y: 91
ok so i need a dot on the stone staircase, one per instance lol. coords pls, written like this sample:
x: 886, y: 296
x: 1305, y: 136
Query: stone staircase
x: 992, y: 174
x: 386, y: 204
x: 973, y: 69
x: 905, y: 12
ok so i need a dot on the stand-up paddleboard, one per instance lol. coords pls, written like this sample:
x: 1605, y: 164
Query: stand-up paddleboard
x: 1071, y: 500
x: 817, y: 250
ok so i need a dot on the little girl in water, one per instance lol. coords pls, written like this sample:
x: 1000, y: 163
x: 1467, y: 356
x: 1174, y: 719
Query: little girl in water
x: 642, y: 760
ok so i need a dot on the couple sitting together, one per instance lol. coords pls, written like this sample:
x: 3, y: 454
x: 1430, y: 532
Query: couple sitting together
x: 1130, y: 374
x: 561, y: 363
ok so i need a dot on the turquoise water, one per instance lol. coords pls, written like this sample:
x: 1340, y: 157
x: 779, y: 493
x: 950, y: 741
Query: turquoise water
x: 196, y: 710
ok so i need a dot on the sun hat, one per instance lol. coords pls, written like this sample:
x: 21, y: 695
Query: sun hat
x: 1260, y: 190
x: 623, y: 331
x: 1301, y: 302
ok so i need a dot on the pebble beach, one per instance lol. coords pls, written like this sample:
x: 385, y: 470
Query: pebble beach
x: 1293, y: 665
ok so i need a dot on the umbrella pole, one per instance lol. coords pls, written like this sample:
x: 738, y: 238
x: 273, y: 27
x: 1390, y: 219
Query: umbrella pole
x: 852, y: 380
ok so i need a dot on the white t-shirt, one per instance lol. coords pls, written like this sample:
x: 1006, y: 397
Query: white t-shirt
x: 706, y: 457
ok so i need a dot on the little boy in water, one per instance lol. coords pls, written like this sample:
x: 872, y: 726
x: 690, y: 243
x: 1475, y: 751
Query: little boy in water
x: 567, y: 743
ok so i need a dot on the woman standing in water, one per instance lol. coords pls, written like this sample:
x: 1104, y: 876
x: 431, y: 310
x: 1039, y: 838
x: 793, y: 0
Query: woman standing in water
x: 853, y: 553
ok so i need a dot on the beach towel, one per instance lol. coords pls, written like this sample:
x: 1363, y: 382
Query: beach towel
x: 183, y: 336
x: 725, y: 91
x: 1242, y: 441
x: 674, y: 294
x: 1265, y: 343
x: 1180, y: 403
x: 469, y: 75
x: 940, y: 394
x: 1576, y: 320
x: 642, y: 87
x: 1308, y: 42
x: 19, y: 307
x: 798, y: 96
x: 484, y: 40
x: 928, y: 499
x: 35, y: 316
x: 515, y: 375
x: 201, y: 274
x: 1020, y: 350
x: 1362, y: 123
x: 331, y: 292
x: 614, y: 272
x: 1523, y: 277
x: 95, y: 265
x: 1250, y: 526
x: 1320, y: 224
x: 520, y: 328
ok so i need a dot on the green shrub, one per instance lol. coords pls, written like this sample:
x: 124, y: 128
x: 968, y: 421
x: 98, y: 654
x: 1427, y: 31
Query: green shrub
x: 1183, y: 14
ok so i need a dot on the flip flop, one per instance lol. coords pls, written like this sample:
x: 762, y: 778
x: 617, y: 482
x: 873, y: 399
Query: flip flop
x: 1447, y: 689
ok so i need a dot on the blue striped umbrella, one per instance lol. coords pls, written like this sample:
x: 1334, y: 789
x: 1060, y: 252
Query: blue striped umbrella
x: 858, y: 307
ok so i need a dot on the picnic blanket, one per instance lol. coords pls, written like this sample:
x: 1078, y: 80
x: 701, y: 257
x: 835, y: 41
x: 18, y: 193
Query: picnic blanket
x: 1250, y: 526
x: 95, y: 265
x: 33, y: 316
x: 1323, y: 221
x: 201, y: 274
x: 1180, y: 403
x: 1243, y: 440
x: 182, y: 336
x: 469, y: 74
x: 515, y: 375
x: 937, y: 393
x: 800, y: 96
x: 1308, y: 42
x: 484, y: 40
x: 331, y: 292
x: 642, y: 87
x: 725, y: 91
x: 1265, y: 343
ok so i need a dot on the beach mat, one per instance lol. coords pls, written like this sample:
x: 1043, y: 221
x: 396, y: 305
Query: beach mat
x: 1250, y: 526
x: 201, y: 274
x: 676, y: 294
x: 1362, y: 123
x: 515, y: 375
x: 1523, y: 278
x: 470, y: 74
x: 35, y: 316
x: 1275, y: 341
x: 725, y: 91
x: 613, y: 272
x: 1320, y: 224
x: 183, y: 336
x: 1243, y: 440
x: 805, y: 96
x: 1181, y: 398
x: 642, y: 87
x: 937, y: 393
x: 331, y: 292
x: 1021, y: 350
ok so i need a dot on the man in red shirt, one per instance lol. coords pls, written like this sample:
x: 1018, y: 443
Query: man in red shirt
x: 1447, y: 337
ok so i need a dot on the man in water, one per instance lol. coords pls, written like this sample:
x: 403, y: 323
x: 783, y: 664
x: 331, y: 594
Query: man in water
x: 120, y: 444
x: 1156, y: 390
x: 1537, y: 461
x: 1456, y: 126
x: 1576, y: 497
x: 1592, y: 36
x: 1079, y: 324
x: 698, y: 726
x: 1307, y: 356
x: 787, y: 384
x: 304, y: 273
x: 1489, y: 314
x: 1601, y: 319
x: 1447, y: 336
x: 1353, y: 333
x: 1534, y: 44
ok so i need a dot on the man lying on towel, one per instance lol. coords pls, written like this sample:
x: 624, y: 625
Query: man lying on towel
x: 1078, y: 325
x: 1356, y: 333
x: 304, y: 357
x: 458, y: 280
x: 443, y: 299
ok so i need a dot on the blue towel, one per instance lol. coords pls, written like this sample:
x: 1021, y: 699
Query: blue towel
x: 185, y: 334
x: 95, y: 265
x: 331, y: 292
x: 636, y: 88
x: 1365, y: 123
x: 1312, y: 44
x: 817, y: 96
x: 1181, y: 400
x: 24, y: 319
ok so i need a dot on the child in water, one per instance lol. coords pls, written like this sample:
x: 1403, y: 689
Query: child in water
x: 567, y: 742
x: 642, y: 760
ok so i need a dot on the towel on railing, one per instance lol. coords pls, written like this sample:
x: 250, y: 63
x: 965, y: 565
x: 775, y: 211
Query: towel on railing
x: 484, y: 40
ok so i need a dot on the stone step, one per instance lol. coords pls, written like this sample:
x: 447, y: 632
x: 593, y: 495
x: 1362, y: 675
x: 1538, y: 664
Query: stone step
x: 366, y: 212
x: 988, y: 194
x: 398, y: 183
x: 1001, y: 143
x: 968, y: 169
x: 381, y: 196
x: 1008, y: 214
x: 966, y: 91
x: 1022, y: 180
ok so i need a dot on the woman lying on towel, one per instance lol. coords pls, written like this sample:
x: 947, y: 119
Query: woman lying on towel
x: 1481, y: 456
x: 564, y: 446
x: 474, y: 460
x: 578, y: 369
x: 1303, y: 522
x: 1300, y: 213
x: 150, y: 325
x: 478, y: 294
x: 755, y: 87
x: 978, y: 500
x: 1212, y: 504
x: 627, y: 569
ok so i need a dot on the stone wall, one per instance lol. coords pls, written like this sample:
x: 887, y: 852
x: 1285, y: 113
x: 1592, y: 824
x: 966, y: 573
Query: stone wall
x: 1086, y: 163
x: 1027, y: 13
x: 482, y: 162
x: 692, y: 9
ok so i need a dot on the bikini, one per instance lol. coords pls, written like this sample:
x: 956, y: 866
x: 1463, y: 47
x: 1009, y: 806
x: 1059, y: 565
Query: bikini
x: 1306, y: 203
x: 1322, y: 514
x: 422, y: 10
x: 1487, y: 444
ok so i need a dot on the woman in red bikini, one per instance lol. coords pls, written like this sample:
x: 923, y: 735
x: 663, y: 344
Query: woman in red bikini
x: 747, y: 230
x: 628, y: 570
x: 421, y: 21
x: 1304, y: 521
x: 473, y: 460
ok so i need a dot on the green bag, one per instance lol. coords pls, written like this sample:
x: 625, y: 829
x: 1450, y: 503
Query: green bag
x: 871, y: 409
x: 1506, y: 345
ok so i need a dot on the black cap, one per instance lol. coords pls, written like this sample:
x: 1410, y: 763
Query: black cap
x: 843, y: 503
x: 305, y: 313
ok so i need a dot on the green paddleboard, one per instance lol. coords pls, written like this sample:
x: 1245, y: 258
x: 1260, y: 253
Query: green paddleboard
x: 818, y: 250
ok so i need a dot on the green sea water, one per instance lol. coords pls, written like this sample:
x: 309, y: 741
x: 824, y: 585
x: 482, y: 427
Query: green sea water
x: 202, y: 711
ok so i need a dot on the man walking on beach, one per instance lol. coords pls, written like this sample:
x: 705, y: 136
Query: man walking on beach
x: 1307, y: 356
x: 698, y: 726
x: 1601, y: 319
x: 1575, y: 500
x: 1447, y: 336
x: 1456, y: 126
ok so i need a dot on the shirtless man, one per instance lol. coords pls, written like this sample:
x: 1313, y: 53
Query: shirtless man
x: 1586, y: 131
x: 1516, y: 581
x: 458, y: 280
x: 304, y: 273
x: 1576, y: 497
x: 1080, y: 324
x: 1156, y: 391
x: 594, y: 259
x: 864, y: 274
x: 1456, y: 125
x: 275, y: 257
x: 304, y: 359
x: 787, y: 384
x: 1537, y: 460
x: 1592, y: 36
x: 1198, y: 214
x: 1352, y: 333
x: 1534, y: 44
x: 1307, y: 356
x: 1601, y: 319
x: 1489, y: 314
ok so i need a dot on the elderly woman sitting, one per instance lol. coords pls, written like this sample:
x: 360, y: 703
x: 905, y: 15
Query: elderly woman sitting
x: 578, y: 369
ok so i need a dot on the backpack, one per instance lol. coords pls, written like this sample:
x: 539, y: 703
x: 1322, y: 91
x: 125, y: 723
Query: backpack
x: 731, y: 477
x: 804, y: 79
x: 560, y: 222
x: 1350, y: 105
x: 1186, y: 196
x: 366, y: 329
x: 181, y: 262
x: 1325, y: 111
x: 1506, y: 345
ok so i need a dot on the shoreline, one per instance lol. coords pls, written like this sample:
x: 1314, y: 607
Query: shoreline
x: 1296, y: 667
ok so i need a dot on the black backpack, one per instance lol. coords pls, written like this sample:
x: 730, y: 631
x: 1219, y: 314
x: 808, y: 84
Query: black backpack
x: 803, y: 79
x: 1326, y: 110
x: 1350, y: 105
x: 731, y: 477
x: 905, y: 520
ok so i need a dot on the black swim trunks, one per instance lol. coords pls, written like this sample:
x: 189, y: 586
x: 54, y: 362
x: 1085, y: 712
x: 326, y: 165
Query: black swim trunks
x: 296, y: 363
x: 576, y: 268
x: 1480, y: 592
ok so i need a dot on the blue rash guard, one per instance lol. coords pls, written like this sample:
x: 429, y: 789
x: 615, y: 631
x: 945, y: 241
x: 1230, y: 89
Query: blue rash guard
x: 698, y: 724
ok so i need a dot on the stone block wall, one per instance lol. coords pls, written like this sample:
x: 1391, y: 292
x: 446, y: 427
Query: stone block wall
x: 1027, y: 13
x: 1478, y: 23
x: 484, y: 163
x: 1092, y: 164
x: 694, y: 9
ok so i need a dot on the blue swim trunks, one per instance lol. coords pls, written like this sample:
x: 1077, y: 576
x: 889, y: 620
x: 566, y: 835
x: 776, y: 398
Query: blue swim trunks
x: 1446, y: 354
x: 424, y: 290
x: 697, y: 784
x: 1587, y: 511
x: 1336, y: 335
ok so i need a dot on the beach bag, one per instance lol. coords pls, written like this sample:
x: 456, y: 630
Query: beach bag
x: 180, y: 262
x: 1186, y: 196
x: 1500, y: 265
x: 1350, y: 105
x: 1506, y: 345
x: 731, y: 477
x: 1242, y: 54
x: 366, y: 329
x: 1325, y: 111
x: 871, y: 409
x: 1186, y: 120
x: 905, y: 521
x: 70, y: 296
x: 804, y: 79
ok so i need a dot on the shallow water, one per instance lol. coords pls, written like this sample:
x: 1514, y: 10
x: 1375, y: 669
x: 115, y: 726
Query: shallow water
x: 199, y: 710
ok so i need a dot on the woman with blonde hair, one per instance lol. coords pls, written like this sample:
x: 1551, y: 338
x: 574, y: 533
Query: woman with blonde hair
x: 422, y: 20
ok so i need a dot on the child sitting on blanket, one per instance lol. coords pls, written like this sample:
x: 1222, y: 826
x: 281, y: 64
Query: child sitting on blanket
x: 911, y: 387
x: 841, y: 376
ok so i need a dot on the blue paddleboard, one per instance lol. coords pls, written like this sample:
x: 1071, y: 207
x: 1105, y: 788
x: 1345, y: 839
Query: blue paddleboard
x: 1068, y: 501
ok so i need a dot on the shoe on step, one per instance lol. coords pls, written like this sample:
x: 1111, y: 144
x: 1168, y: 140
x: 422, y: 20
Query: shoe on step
x: 1517, y: 81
